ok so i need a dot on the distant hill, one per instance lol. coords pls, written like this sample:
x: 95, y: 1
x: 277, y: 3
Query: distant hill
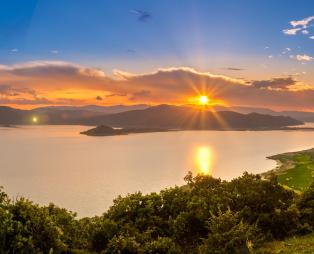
x: 99, y: 109
x: 13, y: 116
x: 44, y: 115
x: 299, y: 115
x: 162, y: 116
x: 175, y: 117
x: 302, y: 116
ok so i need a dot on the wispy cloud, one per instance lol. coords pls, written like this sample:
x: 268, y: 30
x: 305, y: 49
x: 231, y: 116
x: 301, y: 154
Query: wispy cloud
x: 305, y: 32
x: 303, y: 22
x: 303, y: 57
x: 276, y: 83
x: 291, y: 31
x: 299, y: 26
x: 51, y: 68
x: 54, y: 51
x: 142, y: 16
x: 285, y: 51
x: 234, y: 69
x: 131, y: 51
x: 10, y: 91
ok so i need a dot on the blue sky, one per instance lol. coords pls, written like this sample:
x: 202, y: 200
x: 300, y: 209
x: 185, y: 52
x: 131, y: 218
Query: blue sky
x: 103, y: 30
x: 208, y: 35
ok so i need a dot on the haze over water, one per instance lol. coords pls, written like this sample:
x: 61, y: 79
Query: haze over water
x: 84, y: 174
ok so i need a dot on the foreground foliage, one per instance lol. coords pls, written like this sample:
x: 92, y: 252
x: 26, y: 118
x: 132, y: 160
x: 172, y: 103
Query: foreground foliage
x: 206, y: 215
x: 293, y: 245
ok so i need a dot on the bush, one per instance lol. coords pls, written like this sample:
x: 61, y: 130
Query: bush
x: 306, y: 206
x: 229, y: 234
x: 206, y: 215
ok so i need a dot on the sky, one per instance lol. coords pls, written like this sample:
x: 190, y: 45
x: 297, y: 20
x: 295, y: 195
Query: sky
x: 76, y: 52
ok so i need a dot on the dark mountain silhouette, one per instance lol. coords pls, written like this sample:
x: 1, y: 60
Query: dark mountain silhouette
x: 299, y: 115
x: 44, y: 115
x: 162, y: 116
x: 174, y: 117
x: 13, y: 116
x: 99, y: 109
x: 304, y: 116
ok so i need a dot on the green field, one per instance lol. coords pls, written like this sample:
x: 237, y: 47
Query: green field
x: 300, y: 176
x: 296, y: 170
x: 294, y: 245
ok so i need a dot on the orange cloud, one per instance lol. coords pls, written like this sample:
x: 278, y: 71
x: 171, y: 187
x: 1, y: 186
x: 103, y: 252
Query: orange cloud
x: 62, y: 83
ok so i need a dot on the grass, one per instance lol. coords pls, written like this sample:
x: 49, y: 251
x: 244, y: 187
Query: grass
x: 300, y: 176
x: 294, y: 245
x: 295, y: 170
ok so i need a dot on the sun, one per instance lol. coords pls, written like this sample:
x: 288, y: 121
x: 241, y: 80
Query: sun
x: 34, y: 119
x: 203, y: 100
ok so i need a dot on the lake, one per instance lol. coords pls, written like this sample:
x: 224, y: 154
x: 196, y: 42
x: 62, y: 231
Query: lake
x: 84, y: 174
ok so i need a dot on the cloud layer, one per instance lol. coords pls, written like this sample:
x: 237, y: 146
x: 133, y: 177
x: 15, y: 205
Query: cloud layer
x: 60, y: 83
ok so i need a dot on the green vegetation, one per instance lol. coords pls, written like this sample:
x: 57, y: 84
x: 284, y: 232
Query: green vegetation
x: 206, y: 215
x: 103, y: 130
x: 300, y: 176
x: 296, y: 170
x: 293, y: 245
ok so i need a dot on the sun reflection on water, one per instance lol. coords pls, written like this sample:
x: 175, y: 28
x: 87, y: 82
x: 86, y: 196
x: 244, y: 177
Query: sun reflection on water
x: 204, y: 158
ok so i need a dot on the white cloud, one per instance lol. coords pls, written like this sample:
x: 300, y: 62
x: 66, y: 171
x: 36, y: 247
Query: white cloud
x: 14, y: 50
x: 311, y: 37
x: 299, y: 25
x: 52, y: 68
x: 54, y: 51
x: 292, y: 31
x: 305, y: 32
x: 303, y: 57
x: 303, y: 22
x: 286, y: 50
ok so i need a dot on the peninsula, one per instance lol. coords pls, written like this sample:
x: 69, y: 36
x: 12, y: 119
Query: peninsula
x: 294, y: 169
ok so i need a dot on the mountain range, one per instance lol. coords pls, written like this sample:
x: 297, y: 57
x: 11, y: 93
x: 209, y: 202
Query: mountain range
x: 299, y: 115
x: 143, y: 116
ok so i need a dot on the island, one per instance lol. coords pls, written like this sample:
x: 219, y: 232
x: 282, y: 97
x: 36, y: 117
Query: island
x: 103, y: 130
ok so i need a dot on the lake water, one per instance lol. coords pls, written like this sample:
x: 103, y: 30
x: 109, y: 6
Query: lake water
x: 84, y: 174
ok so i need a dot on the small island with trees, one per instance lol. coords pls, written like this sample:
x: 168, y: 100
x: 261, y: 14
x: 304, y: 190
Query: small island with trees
x: 103, y: 130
